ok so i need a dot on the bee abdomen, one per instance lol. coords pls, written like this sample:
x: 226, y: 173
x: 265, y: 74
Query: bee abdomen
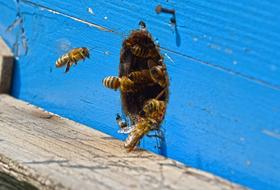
x: 62, y: 60
x: 140, y: 76
x: 139, y: 51
x: 111, y: 82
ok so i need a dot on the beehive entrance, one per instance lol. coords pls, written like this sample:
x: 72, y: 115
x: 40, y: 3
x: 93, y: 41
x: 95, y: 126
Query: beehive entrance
x: 143, y: 82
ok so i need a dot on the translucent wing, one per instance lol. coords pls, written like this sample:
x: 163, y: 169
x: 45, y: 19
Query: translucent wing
x: 63, y: 45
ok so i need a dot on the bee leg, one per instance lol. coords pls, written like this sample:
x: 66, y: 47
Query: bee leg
x: 126, y: 130
x: 161, y: 93
x: 68, y: 65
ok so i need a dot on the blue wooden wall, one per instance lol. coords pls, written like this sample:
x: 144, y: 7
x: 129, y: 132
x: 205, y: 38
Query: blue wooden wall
x: 223, y: 61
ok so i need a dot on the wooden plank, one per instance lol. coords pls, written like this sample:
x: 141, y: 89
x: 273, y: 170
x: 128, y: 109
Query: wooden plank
x: 6, y: 67
x: 217, y: 119
x: 50, y: 152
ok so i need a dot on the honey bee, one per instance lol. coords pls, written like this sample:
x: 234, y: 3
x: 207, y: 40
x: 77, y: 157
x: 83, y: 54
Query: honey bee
x: 72, y: 57
x: 142, y: 76
x: 153, y: 106
x: 143, y: 52
x: 123, y: 83
x: 158, y: 75
x: 139, y: 130
x: 111, y: 82
x: 127, y: 85
x: 141, y: 44
x: 143, y: 84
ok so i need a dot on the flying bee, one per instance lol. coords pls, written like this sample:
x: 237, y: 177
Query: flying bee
x: 158, y: 75
x: 72, y: 57
x: 111, y: 82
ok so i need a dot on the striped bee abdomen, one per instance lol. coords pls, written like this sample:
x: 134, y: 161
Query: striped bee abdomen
x: 139, y: 51
x: 142, y: 76
x: 111, y: 82
x: 62, y: 60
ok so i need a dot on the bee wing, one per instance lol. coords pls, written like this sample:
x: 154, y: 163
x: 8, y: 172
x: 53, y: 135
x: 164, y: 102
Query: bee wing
x: 126, y: 130
x: 63, y: 45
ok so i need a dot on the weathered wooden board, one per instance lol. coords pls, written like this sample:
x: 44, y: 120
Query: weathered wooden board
x: 224, y: 108
x: 50, y: 152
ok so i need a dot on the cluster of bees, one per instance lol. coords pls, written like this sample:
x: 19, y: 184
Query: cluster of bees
x: 143, y: 83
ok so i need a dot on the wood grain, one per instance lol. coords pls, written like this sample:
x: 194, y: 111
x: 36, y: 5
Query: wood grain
x: 51, y: 152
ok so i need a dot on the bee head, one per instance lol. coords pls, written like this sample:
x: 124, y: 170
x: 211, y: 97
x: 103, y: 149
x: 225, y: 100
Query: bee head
x: 142, y: 113
x: 142, y: 25
x: 85, y: 52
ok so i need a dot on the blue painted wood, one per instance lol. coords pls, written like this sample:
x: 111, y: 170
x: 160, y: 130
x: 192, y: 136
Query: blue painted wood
x: 224, y: 109
x: 244, y: 35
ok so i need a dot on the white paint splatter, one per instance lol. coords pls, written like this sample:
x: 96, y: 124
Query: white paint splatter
x: 76, y: 19
x: 90, y: 11
x: 234, y: 62
x: 107, y: 53
x: 105, y: 18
